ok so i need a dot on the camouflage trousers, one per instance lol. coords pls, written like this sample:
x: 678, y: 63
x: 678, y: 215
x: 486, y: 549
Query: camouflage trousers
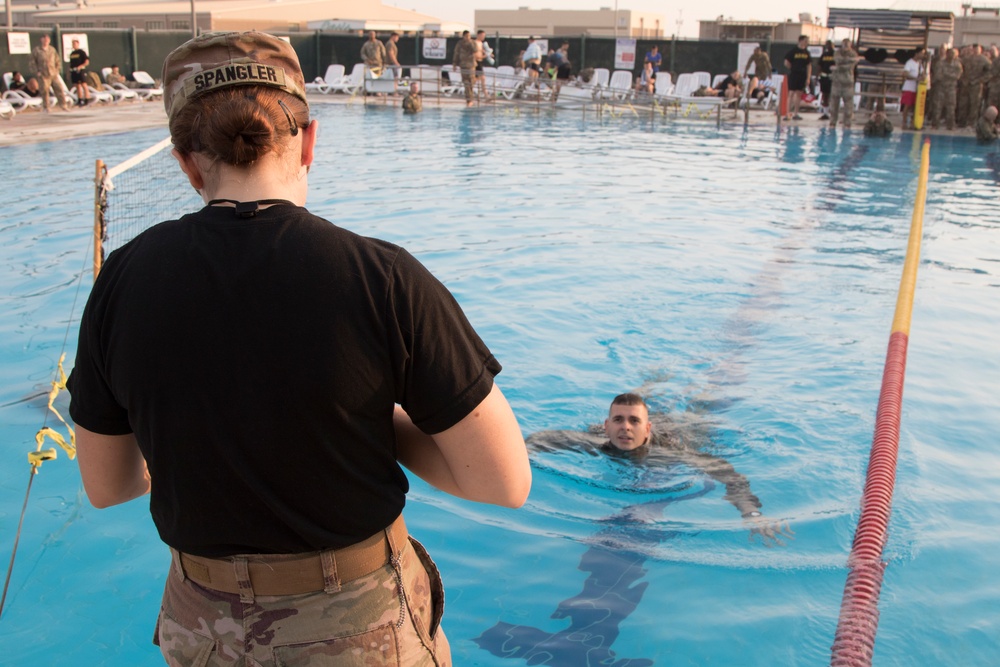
x: 841, y: 93
x: 970, y: 99
x: 943, y: 105
x: 389, y: 617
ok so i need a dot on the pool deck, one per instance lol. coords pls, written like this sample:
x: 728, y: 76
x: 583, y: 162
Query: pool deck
x: 36, y: 126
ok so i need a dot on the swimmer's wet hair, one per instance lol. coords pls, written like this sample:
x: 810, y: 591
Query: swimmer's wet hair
x: 629, y: 399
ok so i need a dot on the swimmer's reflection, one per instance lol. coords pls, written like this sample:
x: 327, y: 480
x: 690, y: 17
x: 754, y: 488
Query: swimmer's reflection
x: 611, y: 592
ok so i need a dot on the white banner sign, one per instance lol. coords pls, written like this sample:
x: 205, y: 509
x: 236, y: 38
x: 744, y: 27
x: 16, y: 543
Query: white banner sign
x: 625, y: 54
x: 745, y: 51
x: 435, y: 48
x: 18, y: 43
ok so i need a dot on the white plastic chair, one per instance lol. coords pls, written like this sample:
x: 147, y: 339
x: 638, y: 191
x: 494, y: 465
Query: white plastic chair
x: 620, y: 86
x: 102, y: 96
x: 6, y: 110
x: 774, y: 94
x: 334, y: 75
x: 603, y: 76
x: 703, y: 78
x: 351, y: 83
x: 149, y: 88
x: 686, y: 84
x: 663, y: 85
x: 18, y: 99
x: 509, y: 82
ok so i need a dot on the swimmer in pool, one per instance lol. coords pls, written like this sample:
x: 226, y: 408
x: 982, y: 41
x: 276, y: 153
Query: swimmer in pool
x: 632, y: 433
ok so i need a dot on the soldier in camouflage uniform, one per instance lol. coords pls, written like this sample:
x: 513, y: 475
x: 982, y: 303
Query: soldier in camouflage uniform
x: 964, y: 55
x: 946, y: 83
x: 842, y: 85
x: 978, y: 75
x: 993, y: 97
x: 47, y: 66
x: 986, y: 126
x: 282, y: 507
x: 413, y: 103
x: 878, y: 124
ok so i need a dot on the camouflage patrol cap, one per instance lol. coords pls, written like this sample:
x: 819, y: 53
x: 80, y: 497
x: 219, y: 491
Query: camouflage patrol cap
x: 217, y: 60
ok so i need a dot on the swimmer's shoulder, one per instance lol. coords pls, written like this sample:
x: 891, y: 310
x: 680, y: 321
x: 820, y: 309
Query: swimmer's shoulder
x: 554, y: 441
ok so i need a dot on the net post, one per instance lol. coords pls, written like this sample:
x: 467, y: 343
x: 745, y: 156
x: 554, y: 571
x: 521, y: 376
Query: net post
x: 100, y: 171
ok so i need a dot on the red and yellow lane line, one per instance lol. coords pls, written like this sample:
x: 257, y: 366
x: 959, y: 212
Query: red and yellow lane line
x: 854, y: 642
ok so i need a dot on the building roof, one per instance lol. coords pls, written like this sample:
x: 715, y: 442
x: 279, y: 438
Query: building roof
x: 354, y: 15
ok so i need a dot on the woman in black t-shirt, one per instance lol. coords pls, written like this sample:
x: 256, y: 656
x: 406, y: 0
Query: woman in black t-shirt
x: 264, y: 374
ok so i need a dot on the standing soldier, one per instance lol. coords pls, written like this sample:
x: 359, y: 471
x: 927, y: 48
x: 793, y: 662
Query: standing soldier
x: 946, y: 83
x: 993, y: 98
x: 845, y: 59
x: 934, y: 69
x: 45, y: 63
x: 392, y: 56
x: 373, y: 55
x: 465, y: 58
x: 964, y: 55
x: 978, y: 76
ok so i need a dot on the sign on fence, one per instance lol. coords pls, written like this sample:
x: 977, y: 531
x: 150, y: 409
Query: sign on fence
x: 435, y: 48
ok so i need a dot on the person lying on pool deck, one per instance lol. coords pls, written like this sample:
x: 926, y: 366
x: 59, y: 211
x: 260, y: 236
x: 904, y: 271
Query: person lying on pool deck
x: 633, y: 433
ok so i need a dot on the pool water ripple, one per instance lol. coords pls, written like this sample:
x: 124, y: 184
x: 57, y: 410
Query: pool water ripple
x: 746, y: 278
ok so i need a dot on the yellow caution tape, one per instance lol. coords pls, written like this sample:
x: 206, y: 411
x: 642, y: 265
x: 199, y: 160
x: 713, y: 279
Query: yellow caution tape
x: 46, y: 432
x: 37, y: 458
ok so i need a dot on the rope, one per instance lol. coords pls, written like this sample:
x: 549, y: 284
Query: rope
x: 39, y: 456
x: 854, y: 642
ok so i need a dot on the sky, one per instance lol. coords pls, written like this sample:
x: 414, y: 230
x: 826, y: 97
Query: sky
x: 688, y: 12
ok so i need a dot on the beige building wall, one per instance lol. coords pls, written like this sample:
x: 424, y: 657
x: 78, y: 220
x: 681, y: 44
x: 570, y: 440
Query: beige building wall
x: 219, y: 15
x: 761, y: 31
x: 525, y: 22
x: 980, y: 28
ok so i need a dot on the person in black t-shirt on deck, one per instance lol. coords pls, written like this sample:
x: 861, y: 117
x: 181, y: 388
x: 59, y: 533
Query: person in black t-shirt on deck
x: 269, y: 393
x: 798, y: 61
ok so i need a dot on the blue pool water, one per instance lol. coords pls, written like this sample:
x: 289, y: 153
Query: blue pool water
x: 747, y: 278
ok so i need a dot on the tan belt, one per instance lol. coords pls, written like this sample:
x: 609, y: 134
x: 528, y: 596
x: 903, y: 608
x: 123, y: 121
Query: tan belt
x: 295, y: 574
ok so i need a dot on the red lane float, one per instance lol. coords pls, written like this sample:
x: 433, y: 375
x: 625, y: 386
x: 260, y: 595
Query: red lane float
x: 854, y: 643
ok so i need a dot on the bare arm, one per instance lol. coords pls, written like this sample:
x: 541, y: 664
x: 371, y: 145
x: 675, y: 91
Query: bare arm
x: 112, y: 467
x: 481, y: 458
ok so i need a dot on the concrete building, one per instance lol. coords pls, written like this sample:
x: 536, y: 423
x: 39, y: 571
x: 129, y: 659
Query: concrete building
x: 723, y: 29
x: 216, y: 15
x: 605, y: 22
x: 978, y: 25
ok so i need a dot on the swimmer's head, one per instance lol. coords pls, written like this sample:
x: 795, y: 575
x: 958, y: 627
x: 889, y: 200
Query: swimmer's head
x: 627, y: 425
x: 990, y: 114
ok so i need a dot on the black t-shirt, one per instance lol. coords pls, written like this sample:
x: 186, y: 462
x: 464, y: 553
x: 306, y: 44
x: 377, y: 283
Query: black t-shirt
x: 826, y: 62
x: 800, y: 60
x: 77, y: 58
x: 258, y: 361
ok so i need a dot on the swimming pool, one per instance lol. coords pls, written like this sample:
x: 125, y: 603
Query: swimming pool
x: 748, y: 278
